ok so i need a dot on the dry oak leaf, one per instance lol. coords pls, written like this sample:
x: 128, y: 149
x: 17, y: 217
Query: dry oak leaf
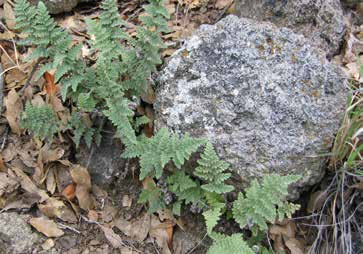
x: 47, y: 227
x: 69, y: 192
x: 54, y: 208
x: 113, y: 238
x: 81, y: 176
x: 85, y: 199
x: 28, y: 185
x: 14, y: 107
x: 163, y: 234
x: 137, y: 229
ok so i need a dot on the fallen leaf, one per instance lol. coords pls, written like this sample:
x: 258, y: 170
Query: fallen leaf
x: 3, y: 167
x: 9, y: 15
x: 295, y: 246
x: 85, y: 200
x: 49, y: 155
x: 7, y: 184
x: 137, y: 229
x: 162, y: 233
x: 50, y: 181
x: 24, y: 201
x: 221, y: 4
x: 70, y: 191
x: 126, y: 201
x: 48, y: 244
x: 28, y: 185
x: 50, y: 87
x: 54, y: 208
x: 114, y: 239
x: 47, y: 227
x: 14, y: 107
x: 92, y: 215
x: 9, y: 152
x: 81, y: 176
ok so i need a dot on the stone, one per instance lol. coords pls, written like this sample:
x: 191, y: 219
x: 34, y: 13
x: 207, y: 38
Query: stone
x: 267, y: 99
x: 59, y: 6
x: 104, y: 162
x: 16, y: 235
x: 322, y: 21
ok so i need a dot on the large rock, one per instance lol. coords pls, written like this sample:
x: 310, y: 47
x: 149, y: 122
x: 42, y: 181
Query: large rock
x: 59, y: 6
x: 16, y: 235
x: 322, y: 21
x: 267, y: 99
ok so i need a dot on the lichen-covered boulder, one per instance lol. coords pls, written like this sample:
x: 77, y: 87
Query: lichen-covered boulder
x: 59, y: 6
x: 267, y: 99
x: 322, y: 21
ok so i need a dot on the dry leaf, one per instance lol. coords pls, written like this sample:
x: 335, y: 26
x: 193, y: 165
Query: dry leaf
x: 126, y: 201
x: 50, y: 87
x: 81, y: 176
x: 47, y: 227
x: 162, y: 232
x: 295, y: 246
x: 9, y: 152
x: 114, y: 239
x: 7, y: 184
x: 70, y: 191
x: 50, y: 181
x: 24, y: 201
x: 48, y: 244
x: 28, y: 185
x: 14, y: 107
x: 49, y: 155
x: 137, y: 229
x: 92, y: 215
x: 221, y: 4
x: 9, y: 15
x: 3, y: 167
x: 54, y: 208
x: 85, y: 200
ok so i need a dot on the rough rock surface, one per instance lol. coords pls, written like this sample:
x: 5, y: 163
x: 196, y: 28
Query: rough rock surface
x: 59, y: 6
x: 16, y: 235
x: 104, y: 162
x: 267, y: 99
x: 322, y: 21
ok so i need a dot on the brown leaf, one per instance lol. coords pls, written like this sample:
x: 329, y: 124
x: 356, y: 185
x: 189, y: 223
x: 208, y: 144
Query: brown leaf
x: 50, y: 181
x: 85, y: 200
x: 81, y: 176
x: 7, y: 184
x: 92, y: 215
x: 9, y: 15
x: 3, y: 167
x: 49, y: 155
x: 221, y: 4
x: 48, y: 244
x: 14, y: 107
x: 9, y: 152
x: 114, y: 239
x: 24, y: 201
x: 47, y: 227
x: 137, y: 229
x: 162, y: 233
x: 70, y: 191
x: 27, y: 184
x: 126, y: 201
x: 295, y: 246
x: 54, y: 208
x: 50, y: 87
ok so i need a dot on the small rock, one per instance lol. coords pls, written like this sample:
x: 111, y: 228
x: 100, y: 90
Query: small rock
x: 104, y: 162
x: 266, y: 98
x: 322, y: 21
x: 16, y: 235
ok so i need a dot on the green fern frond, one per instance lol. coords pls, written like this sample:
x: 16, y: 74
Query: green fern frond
x: 81, y: 129
x: 211, y: 169
x: 152, y: 195
x: 40, y: 120
x: 233, y: 244
x: 261, y: 201
x: 212, y: 217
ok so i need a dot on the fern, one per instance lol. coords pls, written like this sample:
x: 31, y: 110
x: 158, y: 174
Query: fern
x: 233, y: 244
x: 184, y: 187
x: 40, y: 120
x: 81, y: 129
x: 156, y: 152
x: 153, y: 196
x: 211, y: 169
x: 261, y: 202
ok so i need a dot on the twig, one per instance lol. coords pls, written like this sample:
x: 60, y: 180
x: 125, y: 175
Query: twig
x: 27, y: 83
x: 198, y: 244
x: 68, y: 227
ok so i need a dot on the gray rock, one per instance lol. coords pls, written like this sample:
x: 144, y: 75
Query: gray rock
x: 59, y: 6
x: 16, y: 235
x: 104, y: 162
x: 267, y: 99
x: 322, y: 21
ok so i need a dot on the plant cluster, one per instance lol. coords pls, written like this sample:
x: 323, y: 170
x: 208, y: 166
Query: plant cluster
x: 110, y: 85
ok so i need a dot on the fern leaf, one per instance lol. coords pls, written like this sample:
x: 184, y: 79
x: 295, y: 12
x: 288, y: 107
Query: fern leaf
x: 233, y: 244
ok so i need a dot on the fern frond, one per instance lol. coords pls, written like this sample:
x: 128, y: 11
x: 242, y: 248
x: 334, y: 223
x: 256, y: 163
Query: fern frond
x: 185, y: 188
x: 261, y: 201
x: 233, y: 244
x: 211, y: 169
x: 40, y: 120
